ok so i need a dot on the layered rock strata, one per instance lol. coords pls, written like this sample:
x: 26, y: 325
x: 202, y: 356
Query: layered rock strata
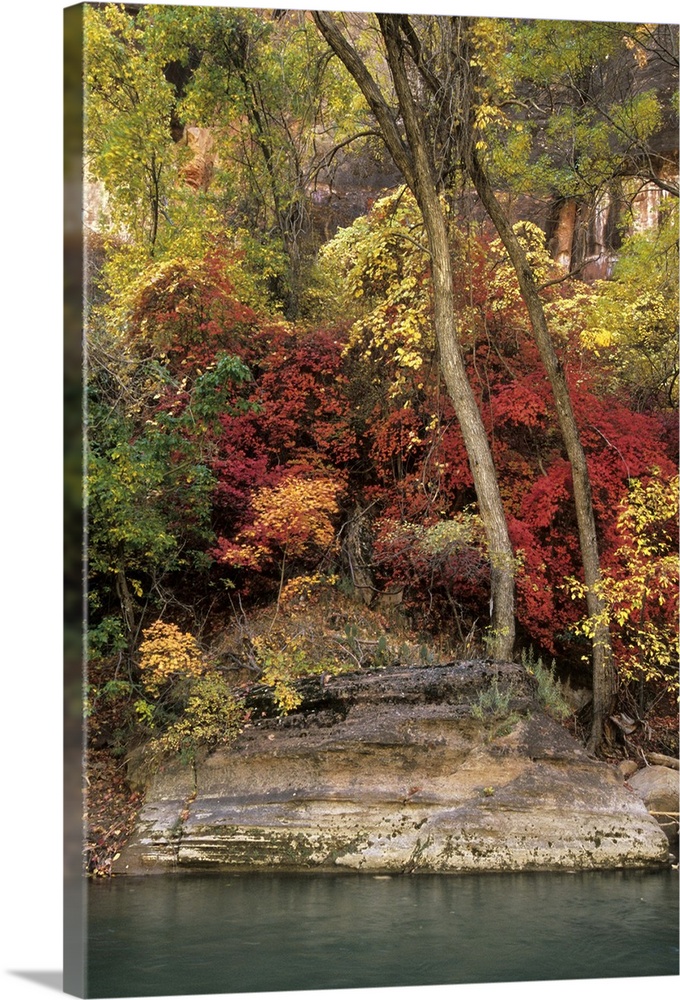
x: 439, y: 769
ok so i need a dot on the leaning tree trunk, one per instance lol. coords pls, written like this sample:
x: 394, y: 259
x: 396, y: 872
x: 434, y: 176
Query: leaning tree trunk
x: 414, y: 160
x: 484, y: 475
x: 603, y: 674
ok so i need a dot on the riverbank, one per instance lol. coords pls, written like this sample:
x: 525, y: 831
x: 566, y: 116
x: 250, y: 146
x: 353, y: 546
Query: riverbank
x: 449, y: 768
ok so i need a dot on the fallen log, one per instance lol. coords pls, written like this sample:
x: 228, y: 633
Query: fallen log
x: 663, y: 760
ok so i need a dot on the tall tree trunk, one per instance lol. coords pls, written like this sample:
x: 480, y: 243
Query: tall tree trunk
x: 603, y: 674
x: 414, y: 160
x: 453, y: 364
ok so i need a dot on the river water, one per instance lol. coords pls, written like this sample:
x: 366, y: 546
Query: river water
x: 229, y: 933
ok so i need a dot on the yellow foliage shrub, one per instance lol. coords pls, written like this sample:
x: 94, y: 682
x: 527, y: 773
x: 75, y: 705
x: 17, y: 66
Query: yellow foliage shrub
x: 166, y: 653
x: 640, y: 595
x: 293, y: 518
x: 297, y: 513
x: 303, y: 589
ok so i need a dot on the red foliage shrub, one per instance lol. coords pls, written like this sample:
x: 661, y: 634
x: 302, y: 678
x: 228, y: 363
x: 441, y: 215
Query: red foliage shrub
x: 315, y: 412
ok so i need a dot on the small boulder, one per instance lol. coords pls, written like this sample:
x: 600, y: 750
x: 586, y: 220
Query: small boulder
x: 657, y: 786
x: 626, y: 768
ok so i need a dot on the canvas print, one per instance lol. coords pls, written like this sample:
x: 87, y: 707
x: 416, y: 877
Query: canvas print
x: 378, y: 392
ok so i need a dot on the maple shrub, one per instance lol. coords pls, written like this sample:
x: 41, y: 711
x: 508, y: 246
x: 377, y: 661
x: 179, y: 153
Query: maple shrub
x: 621, y: 444
x: 282, y: 466
x: 292, y: 520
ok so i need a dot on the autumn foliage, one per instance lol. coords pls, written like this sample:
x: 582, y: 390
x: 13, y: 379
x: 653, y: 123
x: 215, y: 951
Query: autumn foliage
x: 277, y: 488
x: 292, y: 520
x: 167, y: 654
x: 289, y: 429
x: 252, y: 442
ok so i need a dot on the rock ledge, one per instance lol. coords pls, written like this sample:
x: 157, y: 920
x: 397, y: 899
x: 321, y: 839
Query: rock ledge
x: 391, y: 771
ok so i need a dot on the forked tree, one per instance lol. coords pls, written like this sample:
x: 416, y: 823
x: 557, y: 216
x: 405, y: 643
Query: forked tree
x: 425, y: 161
x: 414, y: 158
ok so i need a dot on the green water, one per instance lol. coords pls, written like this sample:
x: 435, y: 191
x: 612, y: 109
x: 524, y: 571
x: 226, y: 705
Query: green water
x: 226, y: 933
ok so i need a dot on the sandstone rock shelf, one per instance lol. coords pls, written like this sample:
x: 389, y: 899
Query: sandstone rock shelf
x: 393, y: 771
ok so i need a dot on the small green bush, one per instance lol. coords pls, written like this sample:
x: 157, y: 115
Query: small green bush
x: 549, y: 693
x: 493, y: 707
x: 492, y: 702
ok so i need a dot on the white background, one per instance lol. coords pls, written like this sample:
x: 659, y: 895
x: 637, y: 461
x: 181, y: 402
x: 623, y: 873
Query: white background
x: 31, y: 462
